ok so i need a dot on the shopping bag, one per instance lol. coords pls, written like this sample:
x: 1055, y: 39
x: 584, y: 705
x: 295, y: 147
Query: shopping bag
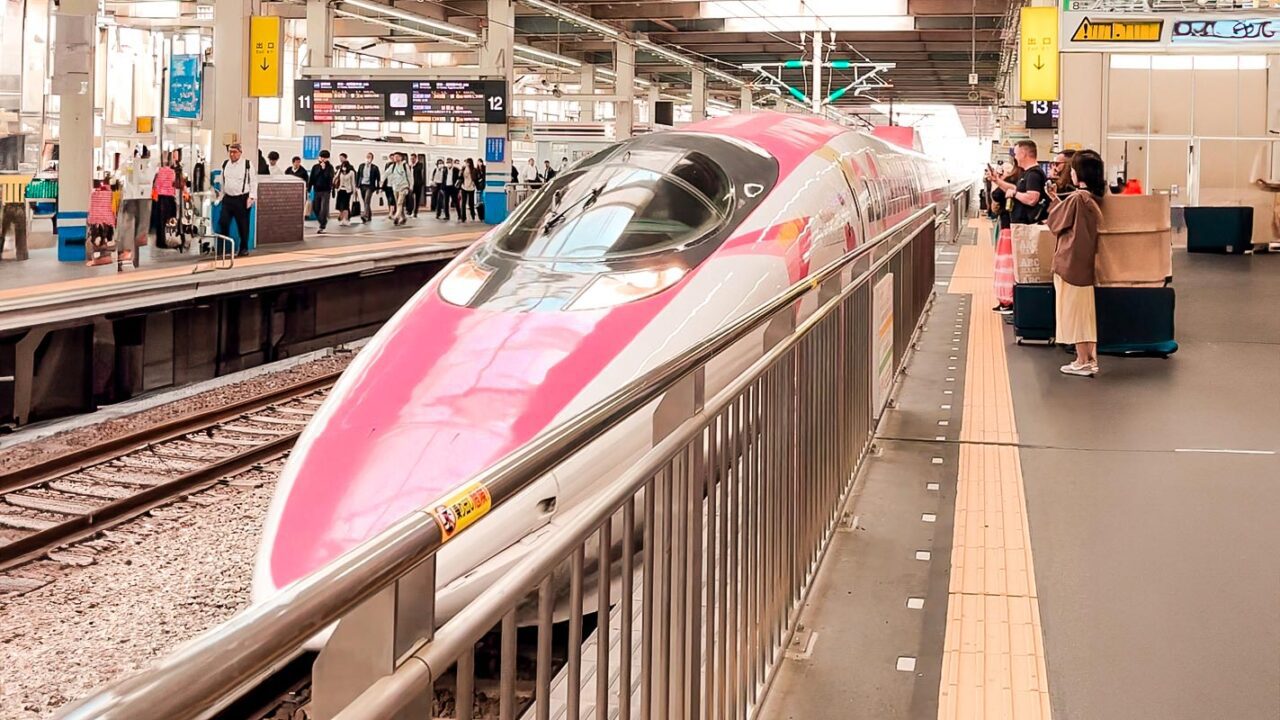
x: 1004, y: 268
x: 1033, y: 247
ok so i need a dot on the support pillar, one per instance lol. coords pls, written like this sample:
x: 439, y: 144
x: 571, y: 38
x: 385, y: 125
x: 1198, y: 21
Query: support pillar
x: 817, y: 96
x: 699, y: 95
x: 320, y: 51
x: 654, y: 96
x: 624, y: 64
x: 587, y: 86
x: 496, y: 62
x: 73, y: 82
x: 747, y: 101
x: 235, y: 114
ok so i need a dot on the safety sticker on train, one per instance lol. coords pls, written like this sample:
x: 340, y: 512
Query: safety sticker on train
x: 461, y: 508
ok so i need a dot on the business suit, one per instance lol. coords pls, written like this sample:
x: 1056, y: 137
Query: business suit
x: 368, y: 178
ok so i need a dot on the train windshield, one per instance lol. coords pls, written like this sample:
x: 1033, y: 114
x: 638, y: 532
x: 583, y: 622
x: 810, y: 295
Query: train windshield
x: 630, y: 202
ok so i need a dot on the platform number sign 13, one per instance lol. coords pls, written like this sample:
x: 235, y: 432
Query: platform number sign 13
x: 1042, y: 115
x: 495, y: 102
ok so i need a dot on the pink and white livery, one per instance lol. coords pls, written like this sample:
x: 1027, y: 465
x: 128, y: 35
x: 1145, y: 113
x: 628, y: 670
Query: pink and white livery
x: 623, y: 260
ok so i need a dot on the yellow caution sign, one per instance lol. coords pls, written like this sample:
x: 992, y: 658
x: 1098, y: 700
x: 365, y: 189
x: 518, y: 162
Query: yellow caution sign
x: 454, y: 512
x: 1118, y: 31
x: 264, y: 56
x: 1038, y: 53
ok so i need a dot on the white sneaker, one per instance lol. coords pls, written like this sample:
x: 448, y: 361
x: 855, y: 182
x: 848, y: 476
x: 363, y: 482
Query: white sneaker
x: 1082, y: 370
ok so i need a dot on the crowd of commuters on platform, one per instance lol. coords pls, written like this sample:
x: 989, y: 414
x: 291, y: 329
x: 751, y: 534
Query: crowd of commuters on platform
x: 1067, y: 199
x: 152, y: 197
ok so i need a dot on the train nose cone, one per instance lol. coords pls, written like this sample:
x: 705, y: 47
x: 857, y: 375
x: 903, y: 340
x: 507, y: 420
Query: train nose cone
x: 442, y: 393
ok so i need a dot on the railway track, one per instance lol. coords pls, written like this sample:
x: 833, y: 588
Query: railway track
x: 77, y: 495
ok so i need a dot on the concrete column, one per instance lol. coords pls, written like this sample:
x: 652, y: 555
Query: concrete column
x: 235, y: 115
x: 699, y: 95
x: 73, y: 81
x: 587, y: 86
x: 497, y: 43
x: 747, y: 102
x: 817, y: 96
x: 624, y: 64
x: 654, y: 96
x: 320, y: 50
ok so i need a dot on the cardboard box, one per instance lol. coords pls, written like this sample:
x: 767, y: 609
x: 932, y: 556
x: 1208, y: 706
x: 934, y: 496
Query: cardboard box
x: 1135, y: 241
x: 1033, y: 248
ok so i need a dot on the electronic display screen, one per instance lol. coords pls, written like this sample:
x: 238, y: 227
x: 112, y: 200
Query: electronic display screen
x: 1042, y: 115
x: 353, y: 100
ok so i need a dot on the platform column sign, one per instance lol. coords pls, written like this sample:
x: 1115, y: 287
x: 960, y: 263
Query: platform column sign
x: 264, y: 56
x: 1038, y: 54
x: 495, y: 150
x: 185, y: 87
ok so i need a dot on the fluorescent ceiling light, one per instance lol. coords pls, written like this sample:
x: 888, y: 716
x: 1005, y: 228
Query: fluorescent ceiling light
x: 412, y: 31
x: 573, y: 17
x: 821, y: 8
x: 607, y: 73
x: 663, y: 52
x: 553, y: 57
x: 410, y: 17
x: 825, y: 23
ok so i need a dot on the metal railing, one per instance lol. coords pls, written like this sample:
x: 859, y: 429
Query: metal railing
x: 709, y: 542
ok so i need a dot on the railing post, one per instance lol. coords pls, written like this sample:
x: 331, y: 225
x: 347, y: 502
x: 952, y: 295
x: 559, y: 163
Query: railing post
x: 370, y: 642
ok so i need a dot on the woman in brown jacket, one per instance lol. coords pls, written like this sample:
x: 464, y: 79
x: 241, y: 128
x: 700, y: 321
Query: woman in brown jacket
x: 1074, y: 219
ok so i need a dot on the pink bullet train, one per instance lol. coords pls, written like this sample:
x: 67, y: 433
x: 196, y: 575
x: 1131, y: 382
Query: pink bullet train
x: 623, y: 260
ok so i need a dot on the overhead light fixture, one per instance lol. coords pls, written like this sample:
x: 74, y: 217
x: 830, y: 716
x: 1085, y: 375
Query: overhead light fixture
x: 606, y: 72
x: 410, y: 17
x: 679, y: 59
x: 553, y: 57
x: 663, y: 52
x: 393, y: 26
x: 573, y: 17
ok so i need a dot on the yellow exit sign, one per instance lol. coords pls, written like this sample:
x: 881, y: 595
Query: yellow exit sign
x: 1038, y: 54
x: 264, y: 56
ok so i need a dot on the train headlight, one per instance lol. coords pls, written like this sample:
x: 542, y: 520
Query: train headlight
x: 618, y: 288
x: 462, y: 283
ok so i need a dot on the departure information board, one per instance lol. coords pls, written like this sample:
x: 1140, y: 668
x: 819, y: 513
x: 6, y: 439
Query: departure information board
x: 352, y: 100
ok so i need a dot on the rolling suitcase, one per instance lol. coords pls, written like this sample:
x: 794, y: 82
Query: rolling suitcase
x: 1219, y: 229
x: 1033, y: 317
x: 1135, y: 321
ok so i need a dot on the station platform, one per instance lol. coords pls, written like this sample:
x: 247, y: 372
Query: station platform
x: 1026, y: 545
x: 74, y: 338
x: 42, y: 289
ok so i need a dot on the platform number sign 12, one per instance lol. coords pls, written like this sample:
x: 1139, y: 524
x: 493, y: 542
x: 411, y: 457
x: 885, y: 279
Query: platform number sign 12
x: 495, y: 103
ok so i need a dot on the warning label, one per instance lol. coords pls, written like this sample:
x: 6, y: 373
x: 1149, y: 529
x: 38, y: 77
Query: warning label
x: 461, y: 508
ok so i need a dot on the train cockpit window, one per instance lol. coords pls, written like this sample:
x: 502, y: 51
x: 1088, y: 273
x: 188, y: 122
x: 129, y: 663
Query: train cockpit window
x: 634, y: 202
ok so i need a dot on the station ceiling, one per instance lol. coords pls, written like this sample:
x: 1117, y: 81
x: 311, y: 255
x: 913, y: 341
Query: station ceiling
x: 933, y: 44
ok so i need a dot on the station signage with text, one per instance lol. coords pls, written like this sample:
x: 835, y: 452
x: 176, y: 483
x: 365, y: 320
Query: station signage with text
x: 1110, y: 31
x: 341, y: 100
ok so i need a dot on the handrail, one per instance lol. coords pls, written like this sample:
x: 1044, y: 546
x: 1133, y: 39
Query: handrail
x: 197, y: 679
x: 388, y: 694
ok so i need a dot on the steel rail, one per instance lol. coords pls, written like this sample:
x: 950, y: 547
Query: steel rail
x: 30, y: 547
x: 81, y: 458
x: 196, y: 680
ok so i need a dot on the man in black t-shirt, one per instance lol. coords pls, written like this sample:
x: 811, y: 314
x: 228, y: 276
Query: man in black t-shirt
x: 1029, y: 206
x: 1030, y: 203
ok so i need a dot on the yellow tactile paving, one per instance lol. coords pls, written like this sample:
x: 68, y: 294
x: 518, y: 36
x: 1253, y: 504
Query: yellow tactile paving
x: 993, y: 655
x: 136, y: 276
